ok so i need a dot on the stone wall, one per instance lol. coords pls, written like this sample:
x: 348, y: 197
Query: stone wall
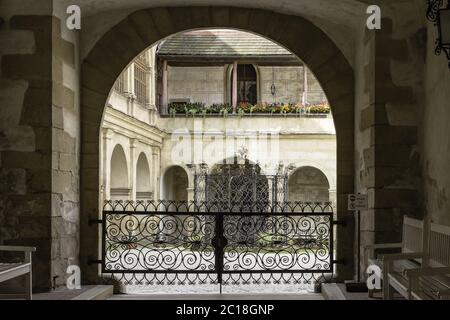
x: 389, y: 103
x: 207, y: 85
x: 289, y: 83
x: 26, y: 130
x: 65, y: 147
x: 302, y: 142
x: 364, y: 73
x: 436, y: 140
x: 38, y: 144
x: 197, y: 84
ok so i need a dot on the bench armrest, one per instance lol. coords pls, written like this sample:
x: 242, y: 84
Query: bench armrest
x: 370, y: 248
x: 383, y: 245
x: 17, y: 248
x: 401, y: 256
x: 427, y: 271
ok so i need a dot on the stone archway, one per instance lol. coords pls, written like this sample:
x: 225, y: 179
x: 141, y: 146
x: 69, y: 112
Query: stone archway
x: 310, y: 184
x: 143, y: 180
x: 143, y: 28
x: 175, y: 183
x: 119, y: 175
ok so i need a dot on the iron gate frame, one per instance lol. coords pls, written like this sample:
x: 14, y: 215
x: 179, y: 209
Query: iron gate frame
x: 219, y: 242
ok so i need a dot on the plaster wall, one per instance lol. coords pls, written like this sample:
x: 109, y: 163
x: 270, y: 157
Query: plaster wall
x: 436, y: 162
x: 197, y: 84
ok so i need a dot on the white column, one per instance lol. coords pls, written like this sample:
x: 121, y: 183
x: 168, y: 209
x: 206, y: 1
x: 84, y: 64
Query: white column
x: 190, y: 194
x: 106, y: 163
x: 151, y: 88
x: 130, y: 89
x: 164, y: 99
x: 132, y: 169
x: 234, y: 93
x: 156, y: 172
x: 129, y: 81
x: 152, y: 75
x: 305, y: 85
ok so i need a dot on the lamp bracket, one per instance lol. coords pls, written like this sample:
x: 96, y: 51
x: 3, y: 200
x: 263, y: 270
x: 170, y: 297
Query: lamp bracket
x: 432, y: 15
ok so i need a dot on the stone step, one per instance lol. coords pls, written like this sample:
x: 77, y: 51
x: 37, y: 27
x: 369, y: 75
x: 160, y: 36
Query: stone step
x: 332, y: 291
x: 102, y: 292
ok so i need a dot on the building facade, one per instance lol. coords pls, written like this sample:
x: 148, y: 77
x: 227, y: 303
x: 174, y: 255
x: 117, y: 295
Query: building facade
x: 150, y: 153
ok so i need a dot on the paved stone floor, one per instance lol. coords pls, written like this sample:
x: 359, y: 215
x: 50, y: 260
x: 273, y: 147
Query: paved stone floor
x: 61, y: 293
x: 305, y: 296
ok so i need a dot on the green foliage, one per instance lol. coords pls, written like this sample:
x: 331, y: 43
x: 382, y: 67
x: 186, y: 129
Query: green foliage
x: 198, y: 108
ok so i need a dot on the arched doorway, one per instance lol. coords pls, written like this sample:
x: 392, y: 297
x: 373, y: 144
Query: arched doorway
x: 309, y: 184
x: 106, y: 60
x: 120, y: 188
x: 143, y: 182
x: 175, y: 184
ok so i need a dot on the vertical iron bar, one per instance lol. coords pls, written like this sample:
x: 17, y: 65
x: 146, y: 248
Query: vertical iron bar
x: 219, y: 250
x: 359, y: 246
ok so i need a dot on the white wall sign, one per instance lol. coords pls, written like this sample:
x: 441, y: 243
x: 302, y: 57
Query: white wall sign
x: 357, y: 202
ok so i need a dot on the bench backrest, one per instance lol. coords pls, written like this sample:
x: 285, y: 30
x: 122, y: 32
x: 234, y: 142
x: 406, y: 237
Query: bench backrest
x: 439, y: 245
x: 413, y: 235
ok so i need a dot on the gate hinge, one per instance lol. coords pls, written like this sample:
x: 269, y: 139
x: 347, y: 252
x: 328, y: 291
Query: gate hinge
x: 339, y: 223
x: 95, y: 221
x: 92, y: 261
x: 342, y: 261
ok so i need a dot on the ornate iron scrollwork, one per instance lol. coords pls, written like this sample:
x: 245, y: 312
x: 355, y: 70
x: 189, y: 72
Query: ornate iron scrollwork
x: 433, y: 7
x: 178, y: 243
x: 433, y: 15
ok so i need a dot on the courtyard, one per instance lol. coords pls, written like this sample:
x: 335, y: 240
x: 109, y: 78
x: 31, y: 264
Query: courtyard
x: 218, y: 147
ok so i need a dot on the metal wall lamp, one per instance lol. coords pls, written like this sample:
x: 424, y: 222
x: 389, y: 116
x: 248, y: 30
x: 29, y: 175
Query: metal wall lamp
x: 440, y: 15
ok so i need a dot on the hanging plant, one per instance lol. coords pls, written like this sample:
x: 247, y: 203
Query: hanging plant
x: 224, y: 112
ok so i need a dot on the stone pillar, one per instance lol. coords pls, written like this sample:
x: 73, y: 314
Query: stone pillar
x: 151, y: 78
x: 305, y: 85
x: 332, y: 196
x: 106, y: 160
x: 234, y: 86
x: 129, y: 81
x: 390, y: 160
x: 156, y: 172
x: 164, y: 99
x: 132, y: 169
x: 190, y: 194
x: 130, y: 89
x: 270, y: 187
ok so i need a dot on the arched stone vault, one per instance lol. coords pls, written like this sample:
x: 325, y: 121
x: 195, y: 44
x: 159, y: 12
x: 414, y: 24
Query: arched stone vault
x: 146, y: 27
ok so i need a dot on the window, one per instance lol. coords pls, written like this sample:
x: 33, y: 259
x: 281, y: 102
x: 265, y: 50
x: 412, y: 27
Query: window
x: 140, y: 83
x: 247, y: 84
x: 119, y: 84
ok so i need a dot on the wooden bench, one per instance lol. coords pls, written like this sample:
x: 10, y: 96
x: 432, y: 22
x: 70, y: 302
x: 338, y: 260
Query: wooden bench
x: 430, y: 280
x: 12, y: 270
x: 411, y: 246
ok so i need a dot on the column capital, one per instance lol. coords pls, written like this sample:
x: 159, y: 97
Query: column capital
x: 133, y: 143
x: 155, y: 150
x: 107, y: 133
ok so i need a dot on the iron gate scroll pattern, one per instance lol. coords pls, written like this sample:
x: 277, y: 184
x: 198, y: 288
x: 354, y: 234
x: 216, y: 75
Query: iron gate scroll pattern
x: 165, y: 242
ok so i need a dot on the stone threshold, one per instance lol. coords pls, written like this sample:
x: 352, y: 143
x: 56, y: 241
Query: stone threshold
x: 255, y: 297
x: 91, y: 292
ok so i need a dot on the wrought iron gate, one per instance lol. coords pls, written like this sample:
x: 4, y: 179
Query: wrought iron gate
x: 165, y: 242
